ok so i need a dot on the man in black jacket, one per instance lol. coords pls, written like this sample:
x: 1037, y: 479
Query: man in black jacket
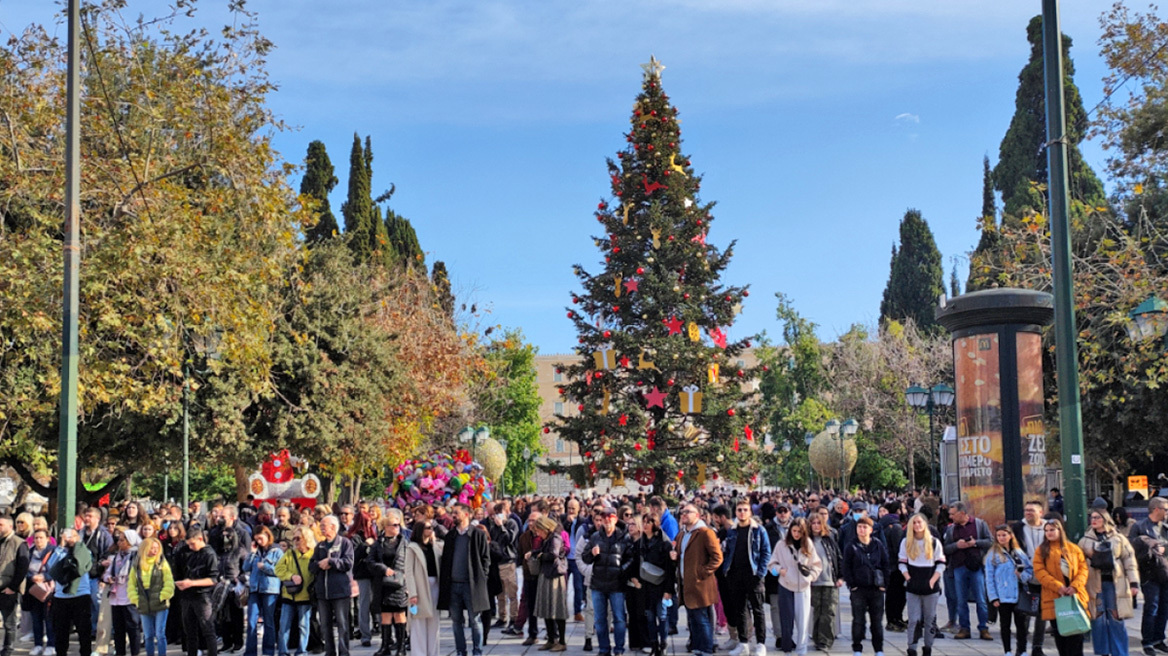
x: 1149, y: 539
x: 893, y: 532
x: 966, y: 542
x: 610, y: 553
x: 462, y: 578
x: 195, y: 575
x: 332, y: 570
x: 231, y: 540
x: 99, y: 542
x: 13, y: 569
x: 504, y: 531
x: 865, y: 564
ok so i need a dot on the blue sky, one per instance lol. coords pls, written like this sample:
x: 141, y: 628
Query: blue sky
x: 816, y: 124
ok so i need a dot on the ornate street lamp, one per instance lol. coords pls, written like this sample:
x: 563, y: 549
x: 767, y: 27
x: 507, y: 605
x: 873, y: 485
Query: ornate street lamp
x: 843, y: 431
x: 927, y: 401
x: 1148, y: 320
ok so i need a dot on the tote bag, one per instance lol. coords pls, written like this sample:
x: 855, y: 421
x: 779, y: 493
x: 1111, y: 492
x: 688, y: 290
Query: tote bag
x: 1071, y: 616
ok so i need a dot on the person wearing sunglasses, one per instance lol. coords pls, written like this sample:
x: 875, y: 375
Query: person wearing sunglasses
x: 1113, y: 581
x: 698, y: 555
x: 296, y: 581
x: 747, y: 548
x: 387, y: 564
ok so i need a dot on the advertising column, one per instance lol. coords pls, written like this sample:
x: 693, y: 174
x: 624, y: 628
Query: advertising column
x: 997, y: 362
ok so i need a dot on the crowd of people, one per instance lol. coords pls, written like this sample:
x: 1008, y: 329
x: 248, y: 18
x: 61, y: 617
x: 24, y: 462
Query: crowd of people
x: 286, y: 581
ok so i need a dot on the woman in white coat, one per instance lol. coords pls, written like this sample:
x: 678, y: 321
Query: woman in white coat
x: 797, y: 564
x: 423, y: 557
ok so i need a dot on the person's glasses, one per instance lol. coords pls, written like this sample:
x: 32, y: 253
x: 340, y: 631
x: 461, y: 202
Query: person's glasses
x: 626, y: 515
x: 1095, y: 517
x: 784, y: 512
x: 743, y: 510
x: 394, y: 525
x: 688, y: 512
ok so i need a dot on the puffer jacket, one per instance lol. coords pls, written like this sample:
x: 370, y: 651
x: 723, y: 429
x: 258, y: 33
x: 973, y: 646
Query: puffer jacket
x: 612, y: 567
x: 760, y: 548
x: 1002, y: 577
x: 260, y: 567
x: 865, y: 565
x: 1048, y: 572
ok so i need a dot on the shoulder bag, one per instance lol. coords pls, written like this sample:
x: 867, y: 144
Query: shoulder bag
x: 652, y: 574
x: 291, y: 588
x: 43, y: 590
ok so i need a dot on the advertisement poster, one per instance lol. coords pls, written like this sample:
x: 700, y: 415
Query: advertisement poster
x: 1032, y: 428
x: 979, y: 426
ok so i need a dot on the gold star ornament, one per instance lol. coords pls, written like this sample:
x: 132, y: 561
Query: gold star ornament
x: 653, y: 68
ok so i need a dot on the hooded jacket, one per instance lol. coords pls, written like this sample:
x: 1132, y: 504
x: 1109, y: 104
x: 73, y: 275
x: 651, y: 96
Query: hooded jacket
x: 760, y: 548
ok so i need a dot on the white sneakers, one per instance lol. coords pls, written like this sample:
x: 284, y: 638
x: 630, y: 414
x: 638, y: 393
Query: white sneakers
x: 760, y: 650
x: 37, y: 651
x: 739, y: 648
x: 727, y: 646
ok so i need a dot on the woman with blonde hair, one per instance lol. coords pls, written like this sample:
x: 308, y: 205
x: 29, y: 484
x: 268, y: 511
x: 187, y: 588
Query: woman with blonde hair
x: 1061, y: 568
x: 1113, y: 580
x: 151, y: 586
x: 551, y: 595
x: 796, y: 562
x: 295, y: 586
x: 387, y: 563
x: 922, y: 564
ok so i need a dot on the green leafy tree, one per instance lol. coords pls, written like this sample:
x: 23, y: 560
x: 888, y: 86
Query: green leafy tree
x: 403, y: 241
x: 916, y: 279
x: 987, y: 244
x: 318, y: 182
x: 1020, y: 174
x: 441, y: 282
x: 508, y: 402
x: 652, y: 321
x: 176, y: 156
x: 364, y: 228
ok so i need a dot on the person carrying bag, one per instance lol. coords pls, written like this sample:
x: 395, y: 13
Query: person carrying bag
x: 1112, y: 584
x: 1061, y: 568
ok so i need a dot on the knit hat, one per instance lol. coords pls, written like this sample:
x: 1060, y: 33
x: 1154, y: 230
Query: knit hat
x: 132, y: 537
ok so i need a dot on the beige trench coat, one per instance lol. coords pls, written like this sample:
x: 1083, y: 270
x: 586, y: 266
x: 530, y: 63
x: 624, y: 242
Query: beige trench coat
x: 1126, y: 573
x: 417, y: 583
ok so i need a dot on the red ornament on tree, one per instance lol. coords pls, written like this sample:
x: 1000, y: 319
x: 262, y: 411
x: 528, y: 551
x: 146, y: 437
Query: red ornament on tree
x: 607, y: 334
x: 730, y: 412
x: 580, y: 407
x: 746, y: 292
x: 546, y: 430
x: 640, y: 270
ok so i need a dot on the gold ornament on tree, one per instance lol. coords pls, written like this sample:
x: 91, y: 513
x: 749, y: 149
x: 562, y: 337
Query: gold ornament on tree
x: 826, y: 455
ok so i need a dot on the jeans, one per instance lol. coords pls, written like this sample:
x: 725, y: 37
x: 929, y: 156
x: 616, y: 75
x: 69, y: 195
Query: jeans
x: 261, y: 603
x: 364, y: 601
x: 1155, y: 613
x: 334, y: 614
x: 950, y: 588
x: 302, y: 613
x: 577, y: 587
x: 125, y: 626
x: 867, y: 604
x: 601, y: 601
x: 967, y: 580
x: 154, y: 632
x: 42, y: 625
x: 1108, y: 633
x: 460, y: 601
x: 701, y: 630
x: 656, y: 618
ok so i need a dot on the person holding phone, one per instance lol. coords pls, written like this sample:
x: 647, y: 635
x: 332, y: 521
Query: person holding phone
x: 1007, y: 571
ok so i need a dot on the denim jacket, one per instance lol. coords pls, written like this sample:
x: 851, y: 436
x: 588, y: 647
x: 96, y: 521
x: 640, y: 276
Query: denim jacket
x: 1000, y: 580
x: 261, y: 570
x: 760, y: 548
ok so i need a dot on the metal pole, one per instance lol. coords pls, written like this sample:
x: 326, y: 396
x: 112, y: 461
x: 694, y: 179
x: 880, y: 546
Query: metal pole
x: 1066, y: 350
x: 186, y: 439
x: 67, y: 448
x: 166, y: 484
x: 932, y: 447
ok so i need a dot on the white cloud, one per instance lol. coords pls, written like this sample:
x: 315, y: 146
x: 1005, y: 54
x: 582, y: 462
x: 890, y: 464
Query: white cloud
x: 907, y: 118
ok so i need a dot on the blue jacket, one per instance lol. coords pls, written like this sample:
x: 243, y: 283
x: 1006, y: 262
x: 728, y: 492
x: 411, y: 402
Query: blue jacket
x: 760, y: 548
x: 80, y: 586
x: 669, y: 525
x: 261, y: 571
x: 1000, y: 580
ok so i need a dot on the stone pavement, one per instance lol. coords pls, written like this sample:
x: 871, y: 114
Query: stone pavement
x: 895, y: 643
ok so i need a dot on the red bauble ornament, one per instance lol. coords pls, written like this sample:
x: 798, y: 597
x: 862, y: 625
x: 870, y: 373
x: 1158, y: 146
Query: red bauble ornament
x: 600, y: 205
x: 687, y: 296
x: 598, y: 375
x: 748, y: 343
x: 636, y: 146
x: 636, y: 112
x: 699, y: 221
x: 670, y: 237
x: 667, y: 174
x: 680, y: 474
x: 599, y: 219
x: 671, y: 144
x: 546, y: 430
x: 575, y: 299
x: 571, y: 315
x: 616, y: 249
x: 587, y: 454
x: 671, y: 382
x: 580, y: 407
x: 616, y: 308
x: 746, y: 292
x: 728, y: 299
x: 640, y: 270
x: 607, y: 259
x: 741, y: 373
x: 607, y: 334
x: 552, y: 472
x: 650, y: 146
x: 653, y: 113
x: 637, y: 446
x: 687, y: 162
x: 730, y: 412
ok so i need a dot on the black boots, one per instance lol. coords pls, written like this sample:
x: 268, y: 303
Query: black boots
x: 387, y: 643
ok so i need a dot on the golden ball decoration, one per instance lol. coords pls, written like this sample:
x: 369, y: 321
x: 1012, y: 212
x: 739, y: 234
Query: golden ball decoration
x: 493, y: 457
x: 825, y: 455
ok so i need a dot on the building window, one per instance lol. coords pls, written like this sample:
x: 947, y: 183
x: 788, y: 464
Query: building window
x: 559, y: 446
x: 559, y: 408
x: 557, y: 377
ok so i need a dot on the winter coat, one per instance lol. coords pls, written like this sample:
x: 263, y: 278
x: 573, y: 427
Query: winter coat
x: 553, y: 557
x: 80, y: 585
x: 775, y: 534
x: 1048, y: 573
x: 260, y: 567
x: 362, y: 554
x: 506, y: 537
x: 13, y: 562
x: 788, y: 559
x: 921, y: 570
x: 336, y: 582
x: 760, y: 548
x: 1002, y: 576
x: 478, y: 568
x: 389, y: 553
x: 699, y: 559
x: 865, y: 564
x: 891, y: 533
x: 655, y: 551
x: 418, y: 581
x: 1143, y: 539
x: 117, y: 575
x: 613, y: 566
x: 1125, y: 573
x: 292, y: 563
x: 151, y: 591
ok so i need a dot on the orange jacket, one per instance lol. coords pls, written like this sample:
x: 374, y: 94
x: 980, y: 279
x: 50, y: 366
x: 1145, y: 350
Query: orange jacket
x: 1049, y: 573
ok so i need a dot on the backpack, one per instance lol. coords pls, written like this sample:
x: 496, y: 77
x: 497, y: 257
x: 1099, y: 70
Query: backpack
x: 1103, y: 557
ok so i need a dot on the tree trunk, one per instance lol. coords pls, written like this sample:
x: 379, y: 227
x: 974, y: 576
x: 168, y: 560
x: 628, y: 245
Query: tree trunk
x: 241, y: 489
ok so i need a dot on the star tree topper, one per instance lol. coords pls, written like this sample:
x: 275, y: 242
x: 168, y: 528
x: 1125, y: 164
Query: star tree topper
x: 653, y: 68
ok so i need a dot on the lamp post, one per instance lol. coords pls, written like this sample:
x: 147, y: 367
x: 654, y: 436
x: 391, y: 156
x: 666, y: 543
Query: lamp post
x: 503, y: 476
x: 808, y: 438
x: 927, y: 401
x: 1149, y: 320
x: 843, y: 432
x: 526, y: 467
x: 474, y: 436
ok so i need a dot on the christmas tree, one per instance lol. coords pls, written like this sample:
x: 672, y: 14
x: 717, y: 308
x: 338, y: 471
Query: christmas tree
x: 657, y: 394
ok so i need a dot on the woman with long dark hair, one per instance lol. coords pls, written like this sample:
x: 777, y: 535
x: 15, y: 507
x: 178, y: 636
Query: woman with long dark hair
x: 825, y: 588
x: 423, y: 557
x: 797, y: 564
x: 653, y: 550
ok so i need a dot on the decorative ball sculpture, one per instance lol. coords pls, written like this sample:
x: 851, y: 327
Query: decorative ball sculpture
x: 493, y: 457
x: 826, y: 457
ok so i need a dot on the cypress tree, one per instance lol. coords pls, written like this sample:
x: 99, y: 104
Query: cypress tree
x: 1022, y: 156
x: 441, y: 282
x: 403, y: 240
x: 916, y: 279
x: 358, y: 208
x: 954, y: 283
x: 987, y: 244
x: 319, y: 180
